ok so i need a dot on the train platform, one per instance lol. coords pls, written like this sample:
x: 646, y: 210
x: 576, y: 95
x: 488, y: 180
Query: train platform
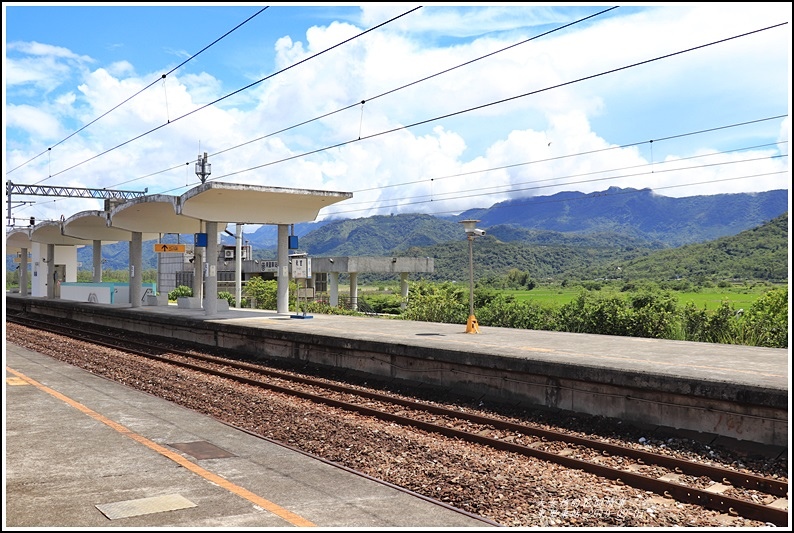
x: 85, y: 452
x: 733, y: 366
x: 715, y: 390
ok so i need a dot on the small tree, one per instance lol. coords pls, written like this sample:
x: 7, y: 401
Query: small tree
x: 265, y: 292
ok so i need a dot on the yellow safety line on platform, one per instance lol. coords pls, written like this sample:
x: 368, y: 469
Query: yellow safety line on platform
x: 289, y: 516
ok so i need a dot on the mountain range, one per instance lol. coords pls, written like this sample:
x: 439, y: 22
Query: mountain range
x: 619, y: 215
x: 559, y: 231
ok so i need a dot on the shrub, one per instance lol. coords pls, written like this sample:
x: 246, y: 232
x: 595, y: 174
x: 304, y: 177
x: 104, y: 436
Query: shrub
x: 594, y: 313
x: 327, y: 309
x: 265, y: 293
x: 385, y: 303
x: 229, y: 297
x: 695, y: 323
x: 766, y: 322
x: 182, y: 291
x: 508, y: 313
x: 443, y: 302
x: 653, y: 314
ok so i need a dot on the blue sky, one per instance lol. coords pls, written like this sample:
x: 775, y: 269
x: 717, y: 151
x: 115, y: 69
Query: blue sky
x: 464, y: 105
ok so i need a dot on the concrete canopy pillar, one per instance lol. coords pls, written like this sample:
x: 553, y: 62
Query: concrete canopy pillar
x: 238, y: 266
x: 23, y: 272
x: 211, y: 279
x: 50, y: 271
x: 404, y: 289
x: 136, y: 268
x: 282, y: 276
x: 97, y: 257
x: 354, y: 291
x: 198, y: 271
x: 198, y: 268
x: 333, y: 299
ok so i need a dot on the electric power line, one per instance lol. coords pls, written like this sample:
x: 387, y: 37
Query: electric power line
x: 579, y: 182
x: 133, y: 96
x: 169, y: 122
x: 340, y: 109
x: 554, y: 179
x: 478, y: 107
x: 483, y: 106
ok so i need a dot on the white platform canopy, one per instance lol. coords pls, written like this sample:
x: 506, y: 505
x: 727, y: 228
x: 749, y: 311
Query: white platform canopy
x: 253, y: 204
x: 50, y: 233
x: 153, y: 214
x: 17, y: 242
x: 209, y: 207
x: 17, y: 239
x: 94, y: 225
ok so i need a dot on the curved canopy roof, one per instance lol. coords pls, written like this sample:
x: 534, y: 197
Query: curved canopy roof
x: 94, y: 225
x: 253, y: 204
x: 50, y: 233
x: 156, y: 214
x: 16, y: 239
x: 224, y: 203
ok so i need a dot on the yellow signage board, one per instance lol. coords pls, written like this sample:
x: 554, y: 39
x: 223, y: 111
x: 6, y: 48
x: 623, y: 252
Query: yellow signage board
x: 177, y: 248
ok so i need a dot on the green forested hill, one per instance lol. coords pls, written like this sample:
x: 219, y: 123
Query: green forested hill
x: 379, y: 235
x: 639, y: 212
x: 494, y: 258
x: 760, y: 253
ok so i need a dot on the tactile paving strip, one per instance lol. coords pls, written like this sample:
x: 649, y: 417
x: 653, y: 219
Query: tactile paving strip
x: 155, y: 504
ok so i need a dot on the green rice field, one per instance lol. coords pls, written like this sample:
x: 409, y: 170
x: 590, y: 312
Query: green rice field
x: 710, y: 299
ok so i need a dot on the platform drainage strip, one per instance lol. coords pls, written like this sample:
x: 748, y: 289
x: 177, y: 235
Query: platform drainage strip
x: 155, y: 504
x: 202, y: 450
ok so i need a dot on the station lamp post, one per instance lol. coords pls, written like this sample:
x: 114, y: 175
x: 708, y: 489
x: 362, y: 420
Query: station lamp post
x: 470, y: 227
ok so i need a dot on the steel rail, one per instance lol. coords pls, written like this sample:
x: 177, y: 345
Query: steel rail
x: 665, y: 488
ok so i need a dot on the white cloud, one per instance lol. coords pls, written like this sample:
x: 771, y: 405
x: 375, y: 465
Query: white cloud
x: 37, y: 123
x: 566, y: 138
x: 39, y: 49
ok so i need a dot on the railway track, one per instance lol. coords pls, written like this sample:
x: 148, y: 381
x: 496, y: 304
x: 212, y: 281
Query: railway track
x: 713, y: 487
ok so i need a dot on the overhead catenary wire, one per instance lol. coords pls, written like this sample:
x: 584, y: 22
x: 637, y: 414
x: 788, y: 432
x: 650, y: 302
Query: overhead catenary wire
x: 372, y: 98
x: 163, y: 77
x: 492, y: 103
x: 227, y: 96
x: 556, y: 181
x: 488, y: 104
x: 511, y: 187
x: 337, y: 145
x: 589, y: 152
x: 536, y: 201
